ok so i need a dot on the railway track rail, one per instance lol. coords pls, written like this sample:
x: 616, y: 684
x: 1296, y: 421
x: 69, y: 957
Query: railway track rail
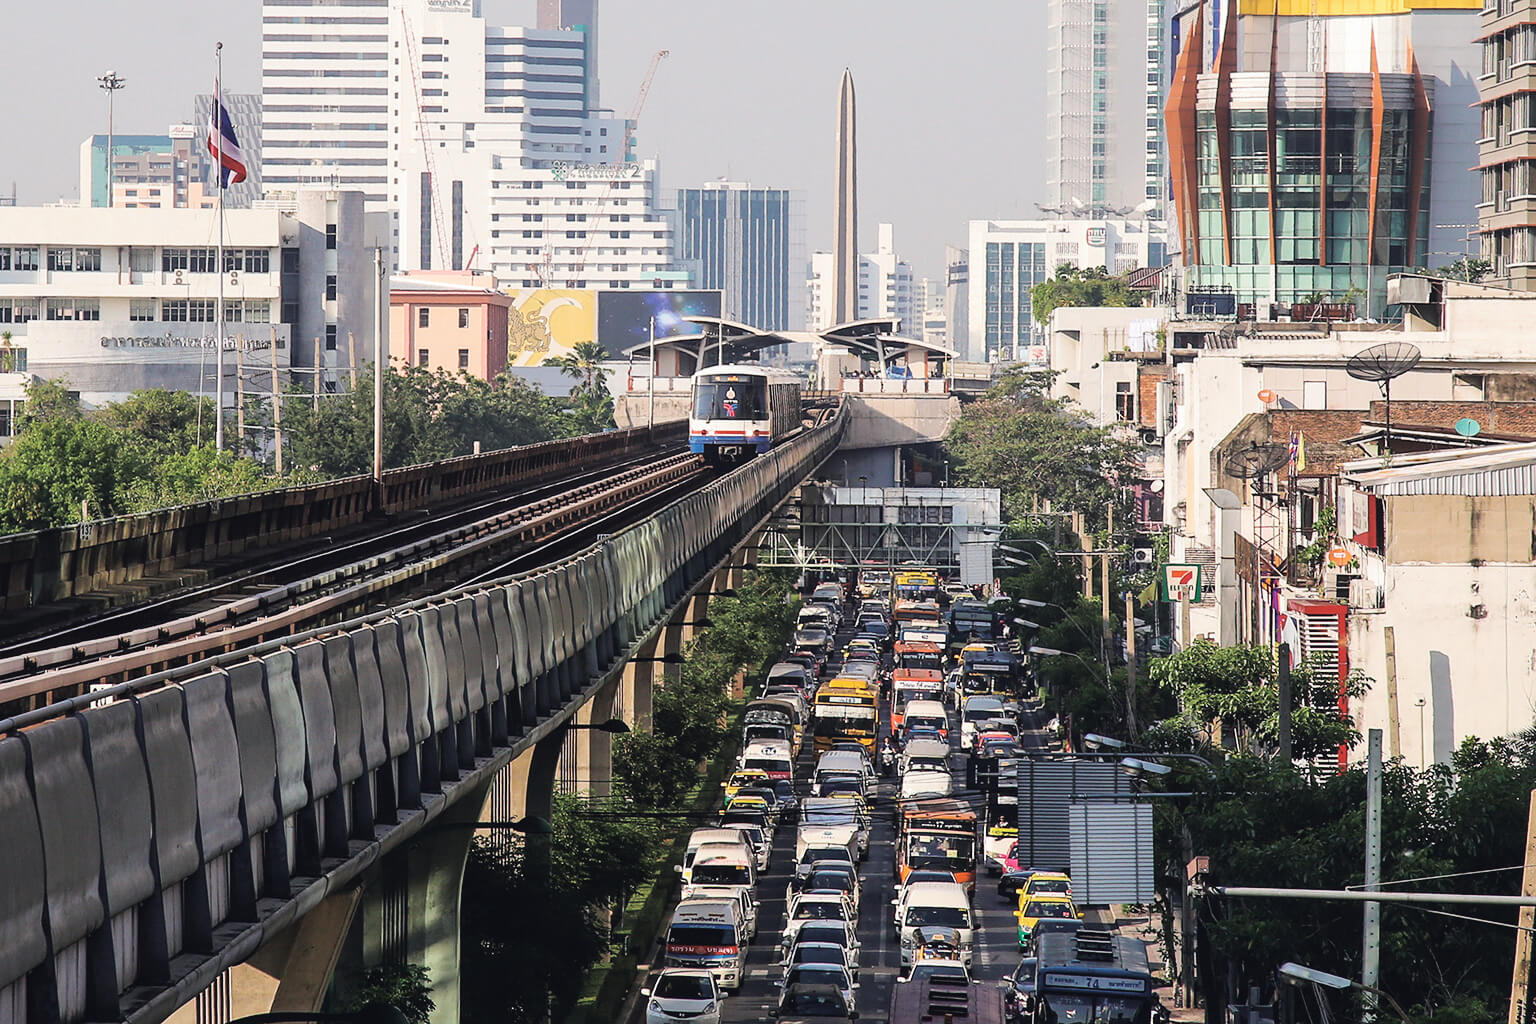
x: 494, y: 539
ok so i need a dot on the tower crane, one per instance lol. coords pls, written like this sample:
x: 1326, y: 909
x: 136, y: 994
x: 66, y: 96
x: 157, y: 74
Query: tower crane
x: 580, y: 266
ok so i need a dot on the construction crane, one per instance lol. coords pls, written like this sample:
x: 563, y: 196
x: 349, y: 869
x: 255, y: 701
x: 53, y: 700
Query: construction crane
x: 580, y: 266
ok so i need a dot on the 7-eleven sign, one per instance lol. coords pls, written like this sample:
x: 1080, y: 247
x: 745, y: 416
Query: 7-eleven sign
x: 1181, y: 582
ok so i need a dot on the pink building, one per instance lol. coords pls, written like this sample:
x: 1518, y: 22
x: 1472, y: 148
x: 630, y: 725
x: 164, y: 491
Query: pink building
x: 452, y: 319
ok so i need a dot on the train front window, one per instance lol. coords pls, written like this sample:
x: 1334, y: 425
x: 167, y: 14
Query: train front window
x: 728, y: 400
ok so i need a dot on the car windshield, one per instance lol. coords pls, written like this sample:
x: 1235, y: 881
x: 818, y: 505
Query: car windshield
x: 835, y: 934
x: 926, y: 722
x: 829, y: 880
x: 684, y: 986
x: 1060, y: 885
x: 714, y: 935
x: 1051, y: 908
x: 820, y: 911
x: 817, y: 974
x: 948, y: 917
x: 816, y: 1002
x: 930, y: 969
x: 721, y: 874
x: 768, y: 764
x: 825, y: 816
x: 816, y: 853
x: 817, y: 954
x: 981, y: 714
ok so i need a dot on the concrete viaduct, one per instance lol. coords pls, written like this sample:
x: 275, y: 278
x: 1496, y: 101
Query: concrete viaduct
x: 216, y: 848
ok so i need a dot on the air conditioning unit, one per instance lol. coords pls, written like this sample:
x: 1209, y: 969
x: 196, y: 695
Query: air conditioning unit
x: 1142, y: 556
x: 1365, y: 595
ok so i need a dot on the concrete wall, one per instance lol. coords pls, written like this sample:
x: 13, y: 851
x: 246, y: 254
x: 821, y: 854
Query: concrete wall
x: 886, y: 420
x: 1476, y: 675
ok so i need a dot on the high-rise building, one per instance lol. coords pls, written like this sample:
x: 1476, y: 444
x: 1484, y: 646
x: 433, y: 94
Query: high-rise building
x: 326, y: 81
x: 884, y: 287
x: 486, y: 146
x: 1159, y: 49
x: 1369, y: 121
x: 1506, y: 151
x: 749, y: 242
x: 1095, y: 106
x: 1011, y: 257
x: 156, y: 171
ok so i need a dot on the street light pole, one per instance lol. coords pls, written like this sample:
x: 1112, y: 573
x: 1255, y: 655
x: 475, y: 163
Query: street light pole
x: 111, y: 82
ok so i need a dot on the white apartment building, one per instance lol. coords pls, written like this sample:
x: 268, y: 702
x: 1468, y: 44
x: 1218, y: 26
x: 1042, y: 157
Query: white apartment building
x: 121, y: 299
x: 1008, y: 258
x: 480, y: 139
x: 326, y: 84
x: 886, y: 287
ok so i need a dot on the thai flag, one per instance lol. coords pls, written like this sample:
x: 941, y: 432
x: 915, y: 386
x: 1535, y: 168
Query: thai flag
x: 225, y: 147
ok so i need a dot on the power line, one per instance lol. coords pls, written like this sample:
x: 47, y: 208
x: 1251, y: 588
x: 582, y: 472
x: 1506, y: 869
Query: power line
x: 1431, y: 878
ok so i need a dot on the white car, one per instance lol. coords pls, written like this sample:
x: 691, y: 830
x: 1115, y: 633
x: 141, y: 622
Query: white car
x: 681, y: 994
x: 839, y: 978
x: 815, y: 906
x: 839, y: 933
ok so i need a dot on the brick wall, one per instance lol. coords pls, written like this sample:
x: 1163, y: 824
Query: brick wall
x: 1494, y: 417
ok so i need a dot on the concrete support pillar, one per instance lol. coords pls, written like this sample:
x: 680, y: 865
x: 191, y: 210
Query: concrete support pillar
x: 435, y: 880
x: 311, y: 961
x: 594, y: 748
x: 694, y: 611
x: 634, y: 704
x: 539, y: 799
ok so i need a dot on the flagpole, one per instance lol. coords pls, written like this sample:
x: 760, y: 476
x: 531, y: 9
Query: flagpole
x: 218, y: 170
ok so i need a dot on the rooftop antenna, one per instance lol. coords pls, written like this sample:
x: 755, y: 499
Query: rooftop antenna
x: 1382, y: 363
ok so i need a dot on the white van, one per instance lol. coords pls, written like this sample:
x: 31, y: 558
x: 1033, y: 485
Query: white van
x: 980, y: 708
x: 840, y: 761
x: 708, y: 935
x: 721, y: 853
x: 920, y: 784
x: 928, y: 904
x: 701, y: 836
x: 924, y: 755
x: 926, y: 713
x: 774, y: 758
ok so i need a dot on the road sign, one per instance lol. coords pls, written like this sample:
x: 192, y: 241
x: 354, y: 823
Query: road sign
x: 1339, y: 557
x: 1181, y: 581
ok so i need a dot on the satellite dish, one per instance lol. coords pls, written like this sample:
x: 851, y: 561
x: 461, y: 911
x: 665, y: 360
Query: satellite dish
x: 1257, y: 460
x: 1382, y: 363
x: 1157, y: 487
x: 1266, y: 396
x: 1468, y: 428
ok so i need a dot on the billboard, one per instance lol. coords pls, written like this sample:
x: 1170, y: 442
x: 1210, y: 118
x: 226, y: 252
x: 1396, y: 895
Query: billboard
x: 624, y: 317
x: 549, y: 322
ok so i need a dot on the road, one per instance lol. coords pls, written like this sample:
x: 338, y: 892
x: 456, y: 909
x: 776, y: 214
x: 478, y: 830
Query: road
x: 996, y: 946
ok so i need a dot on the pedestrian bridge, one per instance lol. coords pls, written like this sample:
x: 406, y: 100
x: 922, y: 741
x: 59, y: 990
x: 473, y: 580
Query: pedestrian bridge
x: 204, y: 848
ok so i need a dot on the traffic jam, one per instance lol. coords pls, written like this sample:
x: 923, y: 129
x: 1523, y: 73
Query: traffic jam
x: 863, y: 862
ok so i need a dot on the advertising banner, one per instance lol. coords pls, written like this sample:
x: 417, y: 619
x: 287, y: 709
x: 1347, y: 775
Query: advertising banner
x: 624, y: 317
x: 549, y: 323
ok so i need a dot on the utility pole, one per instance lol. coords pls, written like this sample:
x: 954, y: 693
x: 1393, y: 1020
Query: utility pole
x: 378, y: 370
x: 1130, y: 665
x: 1283, y: 684
x: 1520, y: 987
x: 111, y: 82
x: 277, y: 410
x: 1370, y: 969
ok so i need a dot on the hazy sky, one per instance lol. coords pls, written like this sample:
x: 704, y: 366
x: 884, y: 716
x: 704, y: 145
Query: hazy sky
x: 951, y: 96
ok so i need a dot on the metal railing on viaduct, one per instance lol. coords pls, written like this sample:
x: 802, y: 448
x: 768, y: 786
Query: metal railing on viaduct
x: 154, y: 841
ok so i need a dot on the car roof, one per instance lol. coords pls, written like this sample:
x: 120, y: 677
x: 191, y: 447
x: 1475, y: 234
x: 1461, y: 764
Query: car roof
x: 937, y: 893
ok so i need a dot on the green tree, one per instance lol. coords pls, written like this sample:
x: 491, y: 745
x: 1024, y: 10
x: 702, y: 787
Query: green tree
x: 1466, y: 268
x: 582, y: 363
x: 590, y: 407
x: 1079, y: 286
x: 406, y: 987
x: 169, y: 422
x: 1035, y: 450
x: 61, y: 463
x: 50, y: 400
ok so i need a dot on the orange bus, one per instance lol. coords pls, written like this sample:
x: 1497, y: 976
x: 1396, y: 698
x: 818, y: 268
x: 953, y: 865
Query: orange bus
x: 909, y: 684
x: 915, y: 654
x: 937, y: 835
x: 908, y: 612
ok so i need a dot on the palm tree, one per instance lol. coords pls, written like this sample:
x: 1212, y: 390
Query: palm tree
x: 582, y: 363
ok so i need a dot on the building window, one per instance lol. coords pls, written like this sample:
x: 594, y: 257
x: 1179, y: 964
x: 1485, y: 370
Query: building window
x: 423, y: 317
x: 200, y: 311
x: 463, y: 358
x: 25, y: 258
x: 258, y: 311
x: 330, y: 236
x: 1125, y: 402
x: 60, y: 260
x: 330, y: 337
x: 421, y: 357
x: 330, y: 287
x: 463, y: 316
x: 87, y: 259
x: 290, y: 261
x: 141, y: 260
x: 142, y: 309
x: 202, y: 261
x: 174, y: 311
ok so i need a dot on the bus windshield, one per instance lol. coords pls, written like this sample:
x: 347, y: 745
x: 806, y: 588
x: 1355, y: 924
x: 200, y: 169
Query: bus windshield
x: 941, y: 853
x: 721, y: 874
x: 1096, y: 1009
x: 728, y: 400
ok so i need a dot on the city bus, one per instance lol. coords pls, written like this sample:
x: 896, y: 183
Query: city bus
x: 916, y: 584
x: 916, y: 654
x: 909, y: 612
x: 846, y: 709
x: 874, y: 582
x: 1088, y: 974
x: 908, y: 685
x: 940, y: 997
x: 936, y: 835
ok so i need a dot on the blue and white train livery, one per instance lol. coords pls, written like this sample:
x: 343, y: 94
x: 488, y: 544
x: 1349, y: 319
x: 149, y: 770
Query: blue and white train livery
x: 742, y: 410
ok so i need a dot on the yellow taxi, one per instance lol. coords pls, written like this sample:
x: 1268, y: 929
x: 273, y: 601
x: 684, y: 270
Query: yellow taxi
x: 1048, y: 883
x: 1033, y: 909
x: 745, y: 777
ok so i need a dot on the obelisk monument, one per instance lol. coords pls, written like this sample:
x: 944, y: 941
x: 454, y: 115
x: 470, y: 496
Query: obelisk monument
x: 845, y: 302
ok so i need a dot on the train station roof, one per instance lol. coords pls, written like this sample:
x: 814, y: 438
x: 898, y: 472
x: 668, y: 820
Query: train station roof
x: 720, y: 341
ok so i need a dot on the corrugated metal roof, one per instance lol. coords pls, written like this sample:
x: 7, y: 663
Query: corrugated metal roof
x: 1498, y: 471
